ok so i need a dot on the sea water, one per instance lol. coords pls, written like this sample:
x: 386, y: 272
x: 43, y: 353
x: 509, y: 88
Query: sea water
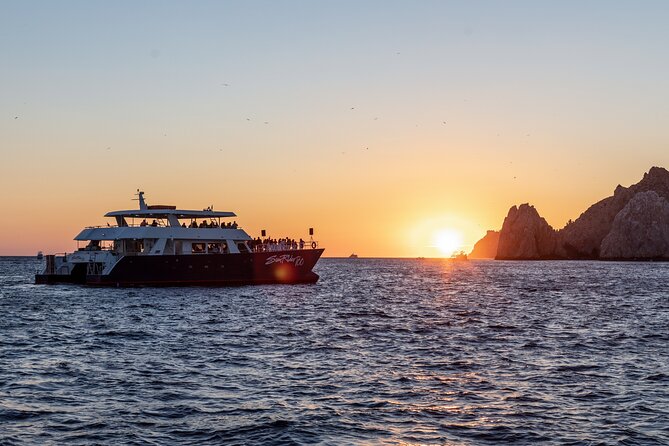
x: 379, y: 351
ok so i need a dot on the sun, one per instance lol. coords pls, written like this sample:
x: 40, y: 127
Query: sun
x: 447, y: 241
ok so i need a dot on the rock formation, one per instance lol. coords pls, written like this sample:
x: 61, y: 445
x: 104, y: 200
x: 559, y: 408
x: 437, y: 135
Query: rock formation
x: 630, y: 224
x: 486, y: 248
x: 640, y: 230
x: 525, y: 235
x: 583, y: 238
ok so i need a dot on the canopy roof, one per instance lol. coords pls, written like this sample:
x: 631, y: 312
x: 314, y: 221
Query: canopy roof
x: 163, y: 213
x: 150, y: 232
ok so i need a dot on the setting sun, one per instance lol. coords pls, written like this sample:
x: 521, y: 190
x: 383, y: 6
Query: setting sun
x: 448, y: 241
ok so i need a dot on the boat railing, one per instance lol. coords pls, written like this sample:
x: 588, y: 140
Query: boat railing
x: 129, y: 225
x: 96, y: 249
x: 274, y: 247
x: 159, y: 225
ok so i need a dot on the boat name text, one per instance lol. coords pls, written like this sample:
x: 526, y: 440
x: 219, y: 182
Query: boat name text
x: 285, y: 258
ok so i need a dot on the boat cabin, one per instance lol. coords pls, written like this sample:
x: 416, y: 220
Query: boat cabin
x: 164, y: 230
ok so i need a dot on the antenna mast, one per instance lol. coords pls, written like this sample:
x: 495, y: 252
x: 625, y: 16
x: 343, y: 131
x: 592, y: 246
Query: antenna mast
x: 142, y: 203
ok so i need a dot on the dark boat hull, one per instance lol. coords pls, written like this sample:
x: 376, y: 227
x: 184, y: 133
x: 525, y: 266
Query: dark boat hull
x: 289, y: 267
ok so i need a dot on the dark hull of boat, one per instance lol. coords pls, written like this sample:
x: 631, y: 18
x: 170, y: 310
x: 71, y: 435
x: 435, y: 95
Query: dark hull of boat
x: 289, y: 267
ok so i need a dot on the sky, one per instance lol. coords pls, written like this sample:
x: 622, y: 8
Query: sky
x: 381, y: 124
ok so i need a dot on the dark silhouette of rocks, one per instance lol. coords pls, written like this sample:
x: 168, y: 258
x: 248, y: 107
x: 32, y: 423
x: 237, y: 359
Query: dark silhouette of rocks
x: 525, y: 235
x: 628, y: 225
x: 583, y: 238
x: 640, y: 230
x: 486, y: 248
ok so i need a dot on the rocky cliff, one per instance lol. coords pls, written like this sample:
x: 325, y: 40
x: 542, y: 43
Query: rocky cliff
x: 525, y: 235
x: 640, y: 230
x: 628, y: 225
x: 486, y: 248
x: 583, y: 238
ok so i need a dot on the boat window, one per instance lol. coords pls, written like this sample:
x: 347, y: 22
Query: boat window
x: 242, y: 247
x: 93, y: 245
x: 198, y: 248
x: 133, y: 246
x: 214, y: 248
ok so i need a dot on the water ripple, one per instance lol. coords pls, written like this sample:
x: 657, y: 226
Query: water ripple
x: 379, y: 351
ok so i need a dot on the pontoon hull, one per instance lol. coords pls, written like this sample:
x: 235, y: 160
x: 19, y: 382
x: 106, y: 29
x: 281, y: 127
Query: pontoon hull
x: 289, y: 267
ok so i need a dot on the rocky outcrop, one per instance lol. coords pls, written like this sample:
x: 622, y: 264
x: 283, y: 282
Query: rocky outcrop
x: 640, y: 230
x: 525, y: 235
x: 630, y: 224
x: 583, y: 238
x: 486, y: 248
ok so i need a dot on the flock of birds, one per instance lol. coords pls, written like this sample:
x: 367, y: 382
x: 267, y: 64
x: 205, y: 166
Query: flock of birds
x: 225, y: 84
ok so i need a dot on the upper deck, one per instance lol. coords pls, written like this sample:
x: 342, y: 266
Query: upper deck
x: 165, y: 222
x: 157, y: 232
x: 164, y: 212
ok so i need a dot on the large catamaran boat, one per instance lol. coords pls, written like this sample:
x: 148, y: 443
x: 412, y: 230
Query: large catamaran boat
x: 170, y: 246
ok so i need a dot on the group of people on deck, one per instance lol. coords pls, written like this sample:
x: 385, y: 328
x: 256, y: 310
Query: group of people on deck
x: 211, y: 224
x: 270, y: 244
x: 195, y: 224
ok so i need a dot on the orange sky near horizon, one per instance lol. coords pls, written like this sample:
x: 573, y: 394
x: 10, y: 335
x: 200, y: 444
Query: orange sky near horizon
x: 368, y: 213
x: 379, y: 124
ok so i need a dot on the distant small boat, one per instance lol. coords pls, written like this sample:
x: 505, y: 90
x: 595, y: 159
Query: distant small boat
x: 40, y: 255
x: 353, y: 256
x: 459, y: 256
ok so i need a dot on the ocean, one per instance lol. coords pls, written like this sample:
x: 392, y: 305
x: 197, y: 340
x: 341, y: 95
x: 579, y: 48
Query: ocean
x: 379, y: 351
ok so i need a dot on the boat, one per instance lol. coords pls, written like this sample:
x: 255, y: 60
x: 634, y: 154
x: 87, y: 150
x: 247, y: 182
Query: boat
x: 179, y: 248
x: 353, y: 256
x: 40, y: 255
x: 459, y: 256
